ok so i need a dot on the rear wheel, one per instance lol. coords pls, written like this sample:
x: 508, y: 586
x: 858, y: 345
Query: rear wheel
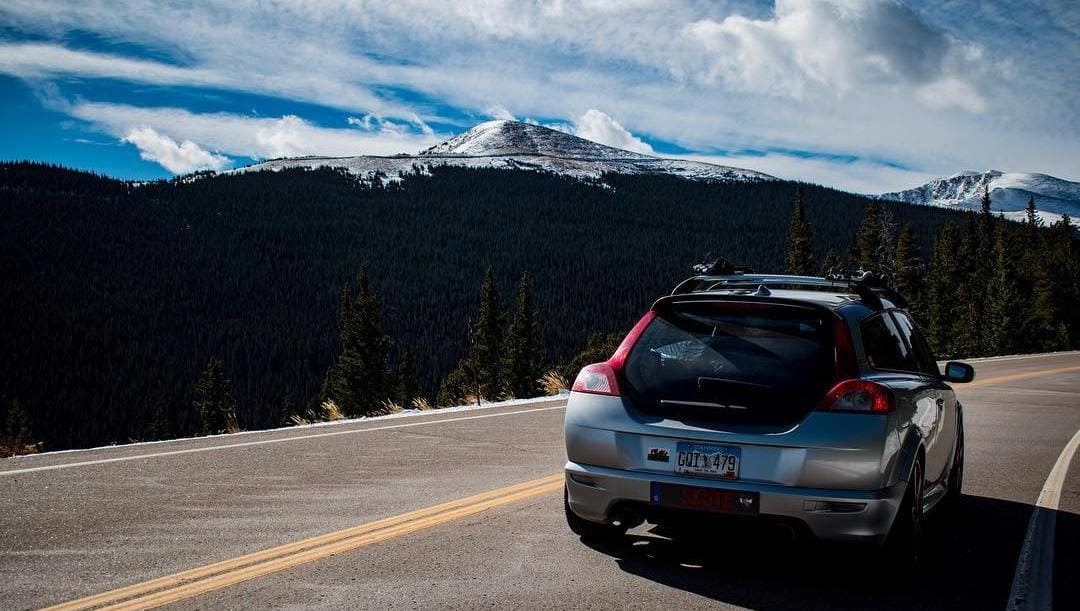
x: 905, y: 544
x: 591, y: 531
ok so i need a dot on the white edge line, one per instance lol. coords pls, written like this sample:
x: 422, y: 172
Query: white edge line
x: 408, y: 413
x: 269, y: 441
x: 1012, y: 357
x: 1033, y: 582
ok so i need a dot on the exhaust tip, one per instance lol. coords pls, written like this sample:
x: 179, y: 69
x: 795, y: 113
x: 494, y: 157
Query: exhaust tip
x: 784, y: 533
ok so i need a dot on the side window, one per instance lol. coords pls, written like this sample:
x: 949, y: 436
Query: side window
x: 885, y: 348
x: 923, y: 355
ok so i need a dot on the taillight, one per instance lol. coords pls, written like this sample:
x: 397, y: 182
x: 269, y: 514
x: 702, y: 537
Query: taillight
x: 603, y: 378
x: 618, y: 359
x: 846, y: 365
x: 598, y: 379
x: 858, y: 396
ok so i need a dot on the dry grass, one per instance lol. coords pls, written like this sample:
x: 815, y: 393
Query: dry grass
x: 16, y: 446
x: 389, y: 407
x: 330, y: 411
x: 421, y: 404
x: 469, y: 399
x: 298, y: 420
x: 553, y: 382
x: 232, y: 428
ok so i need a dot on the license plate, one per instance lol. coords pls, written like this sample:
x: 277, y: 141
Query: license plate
x: 703, y: 499
x: 721, y: 462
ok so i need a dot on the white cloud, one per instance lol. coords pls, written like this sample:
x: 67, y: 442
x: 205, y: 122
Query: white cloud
x: 854, y: 176
x: 811, y: 45
x: 179, y: 158
x: 498, y: 112
x: 599, y: 127
x: 239, y: 135
x: 939, y: 86
x: 951, y: 93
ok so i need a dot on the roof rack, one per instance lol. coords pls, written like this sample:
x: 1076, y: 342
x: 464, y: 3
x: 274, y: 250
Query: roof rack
x: 869, y: 286
x: 721, y: 267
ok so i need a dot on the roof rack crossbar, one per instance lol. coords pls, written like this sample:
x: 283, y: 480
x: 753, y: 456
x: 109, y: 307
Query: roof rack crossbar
x: 869, y: 287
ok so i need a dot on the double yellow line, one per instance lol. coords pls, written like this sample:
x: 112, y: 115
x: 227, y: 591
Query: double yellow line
x: 1012, y: 377
x: 180, y: 586
x: 173, y: 588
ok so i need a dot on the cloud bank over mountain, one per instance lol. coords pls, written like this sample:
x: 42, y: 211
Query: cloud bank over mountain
x: 870, y: 95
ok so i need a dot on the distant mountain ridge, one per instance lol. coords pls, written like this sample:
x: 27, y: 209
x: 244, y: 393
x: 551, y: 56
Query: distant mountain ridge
x: 515, y: 145
x: 1009, y: 193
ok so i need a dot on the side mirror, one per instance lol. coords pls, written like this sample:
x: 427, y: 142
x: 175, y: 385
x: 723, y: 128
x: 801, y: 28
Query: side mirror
x: 958, y: 372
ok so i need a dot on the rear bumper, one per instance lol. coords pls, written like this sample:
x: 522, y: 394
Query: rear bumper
x: 595, y: 493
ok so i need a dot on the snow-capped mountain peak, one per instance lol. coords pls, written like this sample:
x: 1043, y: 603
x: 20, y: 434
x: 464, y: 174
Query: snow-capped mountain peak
x: 1009, y: 193
x: 517, y: 138
x: 513, y: 145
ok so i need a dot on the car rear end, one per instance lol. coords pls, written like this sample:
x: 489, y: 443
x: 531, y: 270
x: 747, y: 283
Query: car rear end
x: 735, y: 406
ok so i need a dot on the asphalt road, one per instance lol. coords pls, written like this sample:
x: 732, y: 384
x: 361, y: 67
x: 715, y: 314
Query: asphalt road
x: 76, y: 524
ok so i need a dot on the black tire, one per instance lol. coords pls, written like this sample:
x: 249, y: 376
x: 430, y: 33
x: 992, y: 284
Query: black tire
x: 906, y: 539
x: 590, y: 531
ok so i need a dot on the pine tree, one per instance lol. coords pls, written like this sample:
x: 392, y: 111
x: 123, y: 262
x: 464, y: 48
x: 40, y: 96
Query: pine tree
x: 1067, y: 254
x: 907, y: 270
x: 487, y: 340
x: 832, y: 264
x: 407, y: 389
x: 214, y: 399
x: 159, y: 428
x: 967, y: 315
x: 985, y: 266
x: 290, y: 409
x: 1032, y: 221
x: 871, y: 238
x: 851, y: 256
x: 800, y: 254
x: 941, y: 291
x: 459, y: 386
x: 523, y: 351
x: 16, y: 422
x: 15, y: 431
x: 1005, y: 308
x: 360, y: 382
x: 1053, y: 290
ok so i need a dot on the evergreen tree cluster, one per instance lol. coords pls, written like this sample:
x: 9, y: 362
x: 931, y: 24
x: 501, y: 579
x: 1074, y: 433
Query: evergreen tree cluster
x: 112, y: 294
x: 500, y: 364
x: 359, y: 382
x: 214, y: 400
x: 995, y: 287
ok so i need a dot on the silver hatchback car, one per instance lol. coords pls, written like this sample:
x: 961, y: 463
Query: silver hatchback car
x: 812, y: 406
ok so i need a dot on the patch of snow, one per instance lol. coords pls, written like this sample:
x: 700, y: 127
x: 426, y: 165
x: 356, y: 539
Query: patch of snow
x: 512, y: 145
x: 1009, y: 193
x: 406, y: 413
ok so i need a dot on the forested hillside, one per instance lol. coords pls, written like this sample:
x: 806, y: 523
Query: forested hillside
x: 114, y: 297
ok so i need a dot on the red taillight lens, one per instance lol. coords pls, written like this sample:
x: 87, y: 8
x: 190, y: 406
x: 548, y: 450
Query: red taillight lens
x: 598, y: 379
x: 618, y: 359
x: 603, y: 378
x: 858, y: 396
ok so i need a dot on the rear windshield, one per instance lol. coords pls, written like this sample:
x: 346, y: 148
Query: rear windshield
x: 751, y: 363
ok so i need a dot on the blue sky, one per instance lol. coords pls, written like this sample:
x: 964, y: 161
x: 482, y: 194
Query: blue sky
x: 866, y: 95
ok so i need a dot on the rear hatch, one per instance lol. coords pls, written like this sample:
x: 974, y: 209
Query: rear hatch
x: 739, y: 362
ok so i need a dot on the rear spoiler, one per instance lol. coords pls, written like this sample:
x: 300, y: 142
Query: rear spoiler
x: 666, y: 303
